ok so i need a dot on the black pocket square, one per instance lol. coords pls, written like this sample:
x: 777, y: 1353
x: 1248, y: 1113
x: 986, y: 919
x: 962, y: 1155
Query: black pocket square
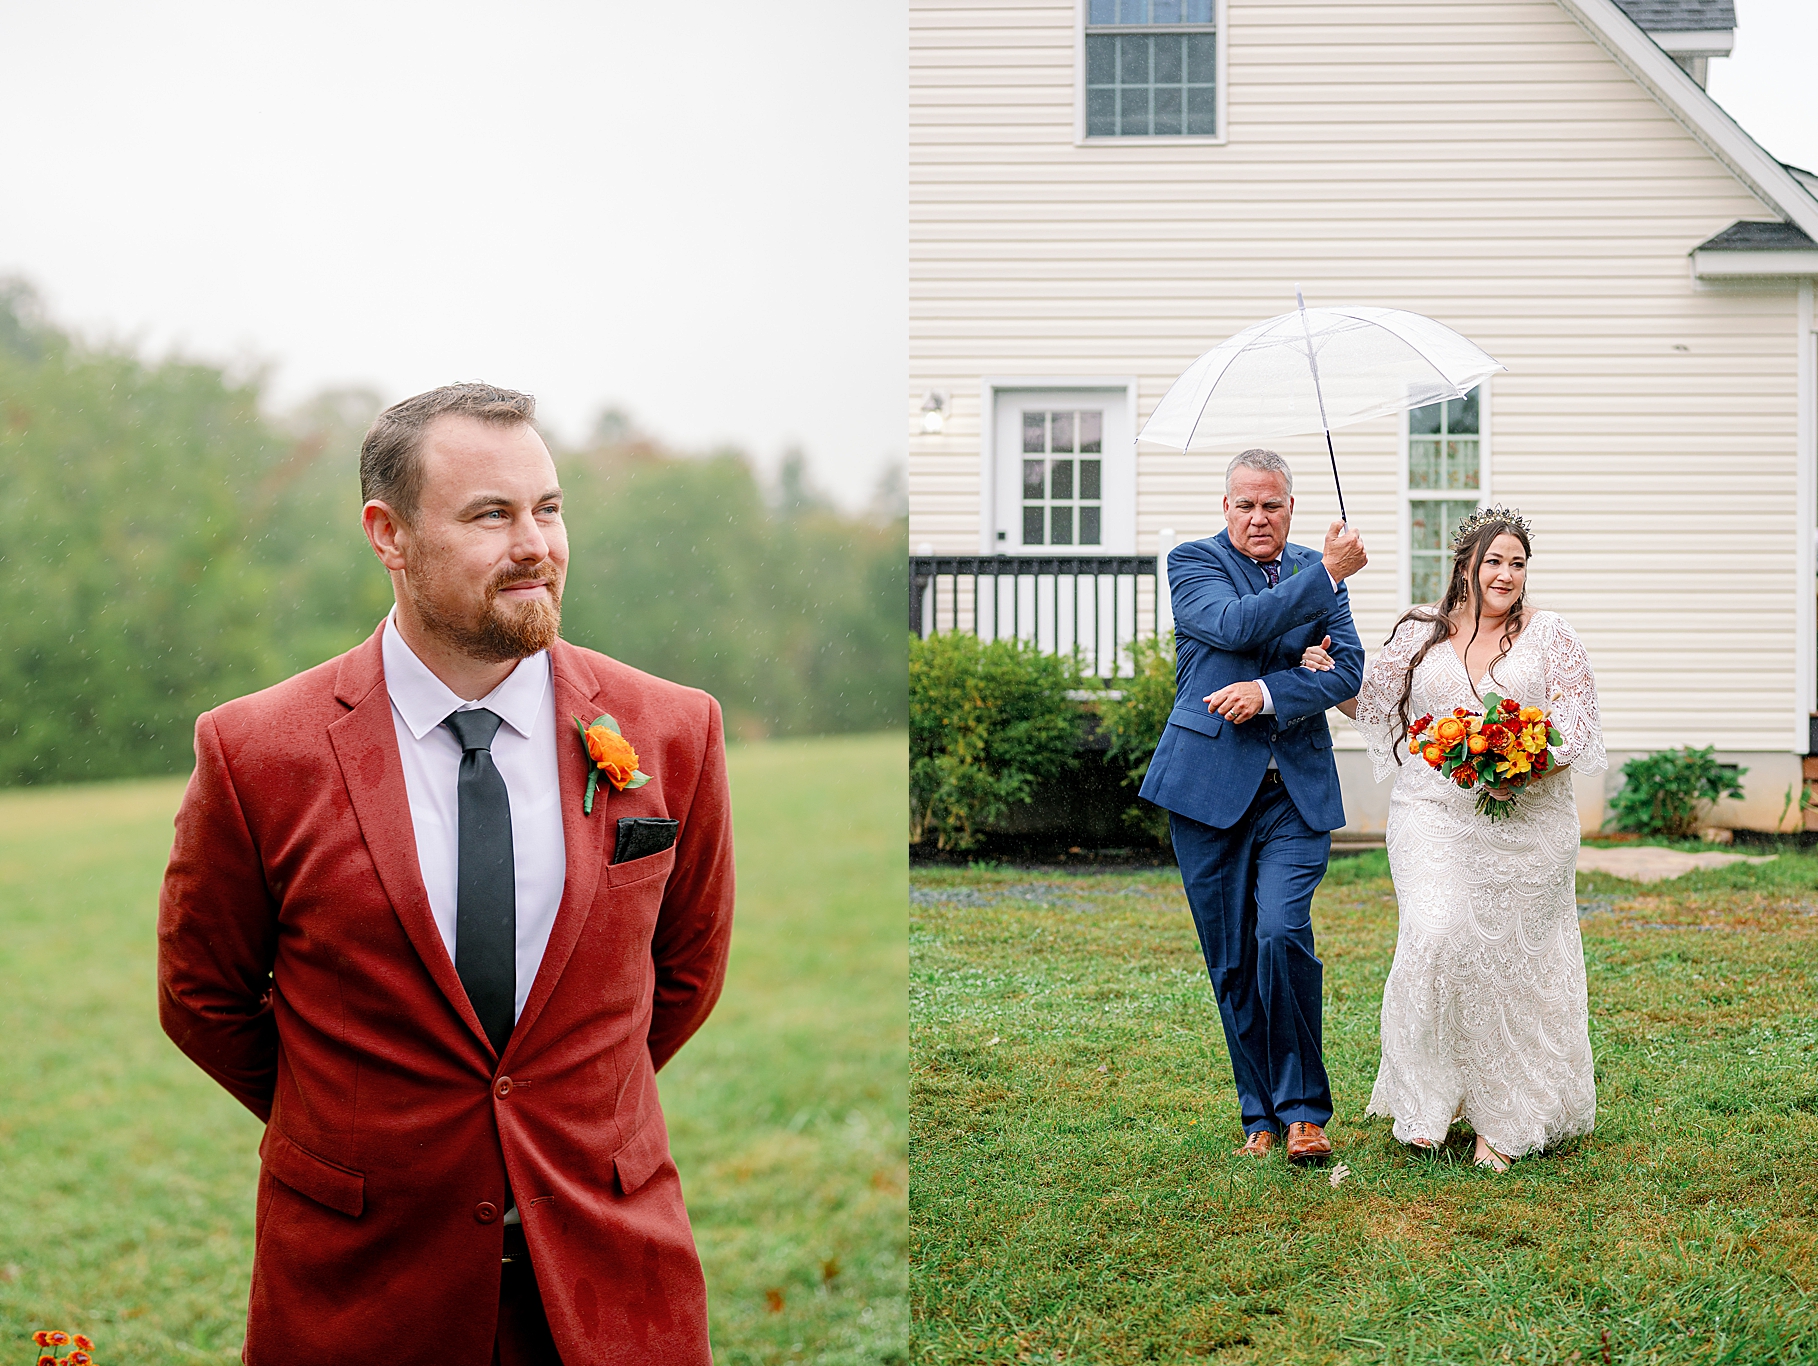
x: 642, y: 836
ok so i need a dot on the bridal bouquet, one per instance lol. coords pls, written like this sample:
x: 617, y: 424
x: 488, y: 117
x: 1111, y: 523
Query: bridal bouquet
x: 1504, y: 746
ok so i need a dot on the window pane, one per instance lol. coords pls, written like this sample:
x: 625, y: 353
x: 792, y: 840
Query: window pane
x: 1035, y: 434
x: 1101, y: 61
x: 1060, y: 479
x: 1166, y: 11
x: 1101, y: 113
x: 1461, y: 414
x: 1167, y: 110
x: 1088, y: 481
x: 1133, y: 60
x: 1133, y: 112
x: 1423, y: 465
x: 1088, y: 526
x: 1032, y: 524
x: 1091, y: 431
x: 1133, y: 11
x: 1200, y: 53
x: 1456, y: 513
x: 1103, y: 12
x: 1461, y: 464
x: 1063, y: 435
x: 1424, y: 421
x: 1168, y: 59
x: 1033, y: 470
x: 1425, y: 525
x: 1199, y: 11
x: 1062, y: 526
x: 1424, y: 587
x: 1202, y: 111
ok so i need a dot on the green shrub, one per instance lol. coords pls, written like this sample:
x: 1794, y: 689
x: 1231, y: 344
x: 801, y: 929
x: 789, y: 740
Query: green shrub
x: 1135, y: 724
x: 988, y: 721
x: 1664, y: 793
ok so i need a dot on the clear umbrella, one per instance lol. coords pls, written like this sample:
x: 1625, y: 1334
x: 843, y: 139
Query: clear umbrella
x: 1312, y: 370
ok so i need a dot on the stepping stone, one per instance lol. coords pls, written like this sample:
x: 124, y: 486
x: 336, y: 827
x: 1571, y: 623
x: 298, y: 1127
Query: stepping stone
x: 1649, y: 863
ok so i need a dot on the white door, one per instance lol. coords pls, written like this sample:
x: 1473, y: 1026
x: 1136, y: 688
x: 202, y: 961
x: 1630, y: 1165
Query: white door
x: 1066, y: 473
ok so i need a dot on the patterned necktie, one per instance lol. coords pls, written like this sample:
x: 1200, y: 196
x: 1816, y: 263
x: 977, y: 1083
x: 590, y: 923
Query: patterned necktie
x: 486, y: 902
x: 1272, y: 572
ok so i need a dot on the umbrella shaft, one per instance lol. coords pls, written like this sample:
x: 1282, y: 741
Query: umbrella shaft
x: 1335, y: 484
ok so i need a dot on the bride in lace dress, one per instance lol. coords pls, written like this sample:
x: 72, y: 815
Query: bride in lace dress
x: 1484, y: 1015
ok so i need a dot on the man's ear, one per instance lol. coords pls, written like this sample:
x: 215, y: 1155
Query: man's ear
x: 386, y: 532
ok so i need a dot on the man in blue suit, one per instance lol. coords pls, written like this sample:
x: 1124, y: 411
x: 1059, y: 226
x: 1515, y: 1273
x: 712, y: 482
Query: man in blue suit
x: 1245, y: 771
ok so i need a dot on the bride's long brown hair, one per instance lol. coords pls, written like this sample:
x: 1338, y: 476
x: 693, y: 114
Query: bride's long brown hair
x: 1467, y: 564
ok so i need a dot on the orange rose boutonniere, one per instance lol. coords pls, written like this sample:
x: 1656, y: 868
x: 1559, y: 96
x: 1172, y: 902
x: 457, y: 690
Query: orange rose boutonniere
x: 609, y: 754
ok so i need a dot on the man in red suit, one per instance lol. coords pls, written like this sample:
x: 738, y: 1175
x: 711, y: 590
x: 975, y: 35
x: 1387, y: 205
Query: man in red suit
x: 391, y: 929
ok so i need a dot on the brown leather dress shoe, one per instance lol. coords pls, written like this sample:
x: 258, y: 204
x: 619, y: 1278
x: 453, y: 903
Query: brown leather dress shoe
x: 1258, y: 1144
x: 1308, y: 1144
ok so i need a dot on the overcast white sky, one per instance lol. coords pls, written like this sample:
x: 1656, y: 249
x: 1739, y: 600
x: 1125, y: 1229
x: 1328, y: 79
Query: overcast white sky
x: 694, y: 211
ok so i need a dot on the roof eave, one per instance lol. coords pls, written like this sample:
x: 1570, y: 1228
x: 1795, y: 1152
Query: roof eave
x: 1703, y: 117
x: 1716, y: 264
x: 1694, y: 42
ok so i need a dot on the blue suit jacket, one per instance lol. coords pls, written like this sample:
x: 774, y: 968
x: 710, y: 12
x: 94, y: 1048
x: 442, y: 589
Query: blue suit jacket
x: 1230, y: 627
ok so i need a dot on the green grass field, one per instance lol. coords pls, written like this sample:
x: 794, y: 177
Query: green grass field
x: 1075, y: 1196
x: 130, y: 1177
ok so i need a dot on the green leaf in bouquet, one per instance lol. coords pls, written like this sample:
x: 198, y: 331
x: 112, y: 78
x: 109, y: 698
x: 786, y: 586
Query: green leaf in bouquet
x: 1553, y: 736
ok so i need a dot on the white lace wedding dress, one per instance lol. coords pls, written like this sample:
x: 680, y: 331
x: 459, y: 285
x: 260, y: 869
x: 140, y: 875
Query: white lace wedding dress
x: 1484, y: 1014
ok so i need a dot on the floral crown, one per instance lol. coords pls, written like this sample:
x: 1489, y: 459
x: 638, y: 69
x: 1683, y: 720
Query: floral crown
x: 1484, y: 517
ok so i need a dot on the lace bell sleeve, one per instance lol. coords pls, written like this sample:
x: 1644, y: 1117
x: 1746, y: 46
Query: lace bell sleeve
x: 1572, y: 700
x: 1378, y: 718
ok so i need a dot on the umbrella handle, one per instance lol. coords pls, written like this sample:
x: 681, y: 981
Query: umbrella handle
x: 1335, y: 484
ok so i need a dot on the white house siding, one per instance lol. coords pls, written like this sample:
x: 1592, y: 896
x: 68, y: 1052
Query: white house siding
x: 1481, y: 161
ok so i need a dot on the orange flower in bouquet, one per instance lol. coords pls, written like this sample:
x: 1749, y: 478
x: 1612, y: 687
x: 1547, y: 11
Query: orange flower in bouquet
x: 1507, y: 745
x: 57, y: 1337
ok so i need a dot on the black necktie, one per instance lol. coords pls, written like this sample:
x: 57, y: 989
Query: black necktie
x: 486, y: 902
x: 1272, y: 572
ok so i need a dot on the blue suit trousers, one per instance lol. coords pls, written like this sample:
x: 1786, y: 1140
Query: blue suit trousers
x: 1251, y: 889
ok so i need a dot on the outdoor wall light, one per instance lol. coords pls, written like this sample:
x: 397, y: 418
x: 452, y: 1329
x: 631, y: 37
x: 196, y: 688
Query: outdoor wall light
x: 934, y: 412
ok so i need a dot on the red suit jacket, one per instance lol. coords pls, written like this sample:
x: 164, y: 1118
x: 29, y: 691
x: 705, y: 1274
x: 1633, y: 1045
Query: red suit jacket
x: 300, y: 967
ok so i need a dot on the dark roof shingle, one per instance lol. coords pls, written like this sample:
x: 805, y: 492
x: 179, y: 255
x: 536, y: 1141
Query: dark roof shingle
x: 1746, y: 236
x: 1680, y: 16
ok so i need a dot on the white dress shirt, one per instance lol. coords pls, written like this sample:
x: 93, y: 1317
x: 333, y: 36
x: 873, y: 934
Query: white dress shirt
x: 524, y: 751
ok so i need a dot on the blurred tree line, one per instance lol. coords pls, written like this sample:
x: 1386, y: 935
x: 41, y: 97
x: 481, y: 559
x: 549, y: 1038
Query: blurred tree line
x: 178, y: 546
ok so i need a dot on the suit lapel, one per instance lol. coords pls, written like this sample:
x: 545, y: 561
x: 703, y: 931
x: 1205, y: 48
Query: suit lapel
x: 584, y: 837
x: 366, y: 747
x: 1254, y: 579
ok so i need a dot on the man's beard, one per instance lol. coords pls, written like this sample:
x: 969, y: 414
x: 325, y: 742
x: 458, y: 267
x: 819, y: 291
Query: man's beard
x: 504, y: 630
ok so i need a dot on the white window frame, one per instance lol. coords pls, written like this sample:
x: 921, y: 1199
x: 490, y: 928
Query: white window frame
x: 989, y: 387
x: 1405, y: 497
x: 1220, y: 65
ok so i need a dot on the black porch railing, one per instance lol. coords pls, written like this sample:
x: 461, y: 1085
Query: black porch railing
x: 1093, y: 606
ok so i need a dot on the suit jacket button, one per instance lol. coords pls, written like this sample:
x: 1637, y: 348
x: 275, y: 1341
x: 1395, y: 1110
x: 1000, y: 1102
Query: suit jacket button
x: 502, y: 1087
x: 485, y: 1212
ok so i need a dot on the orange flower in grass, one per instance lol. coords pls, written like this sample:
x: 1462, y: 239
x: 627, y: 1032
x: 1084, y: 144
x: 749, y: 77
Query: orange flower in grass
x: 42, y: 1337
x: 79, y: 1358
x: 83, y: 1342
x: 59, y: 1338
x: 47, y: 1360
x: 612, y: 754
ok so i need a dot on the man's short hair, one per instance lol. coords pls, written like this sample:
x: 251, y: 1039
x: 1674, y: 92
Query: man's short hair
x: 1256, y: 458
x: 391, y: 468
